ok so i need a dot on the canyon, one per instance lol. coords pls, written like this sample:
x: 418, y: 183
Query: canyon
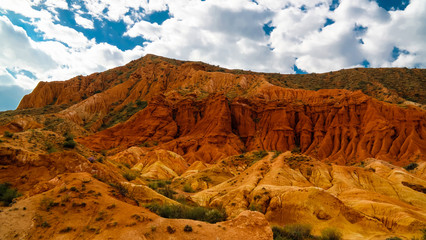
x: 343, y: 149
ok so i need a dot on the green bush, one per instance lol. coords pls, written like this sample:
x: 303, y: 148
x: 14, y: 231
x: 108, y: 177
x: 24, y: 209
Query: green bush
x: 424, y: 233
x: 331, y: 234
x: 69, y: 144
x: 8, y: 134
x: 187, y: 188
x: 292, y: 232
x: 171, y: 229
x: 130, y: 175
x: 7, y: 194
x: 68, y: 136
x: 255, y: 207
x: 120, y: 187
x: 295, y: 150
x: 260, y: 154
x: 153, y: 185
x: 210, y: 215
x: 187, y: 228
x: 393, y: 238
x: 65, y: 230
x: 167, y: 192
x: 47, y: 203
x: 50, y: 148
x: 276, y: 154
x: 411, y: 166
x: 255, y: 156
x: 69, y: 141
x: 161, y: 186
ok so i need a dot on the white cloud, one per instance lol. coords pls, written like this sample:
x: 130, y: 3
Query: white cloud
x: 53, y: 4
x: 18, y: 51
x: 23, y: 7
x: 61, y: 33
x: 149, y: 31
x: 116, y: 10
x: 406, y: 30
x: 220, y: 32
x: 84, y: 22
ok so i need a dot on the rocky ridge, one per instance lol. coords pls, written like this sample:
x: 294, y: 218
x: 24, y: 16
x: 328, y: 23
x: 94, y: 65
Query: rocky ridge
x: 174, y: 133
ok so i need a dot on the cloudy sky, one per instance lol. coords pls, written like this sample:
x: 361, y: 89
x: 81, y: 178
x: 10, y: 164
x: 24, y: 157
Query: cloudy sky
x: 49, y: 40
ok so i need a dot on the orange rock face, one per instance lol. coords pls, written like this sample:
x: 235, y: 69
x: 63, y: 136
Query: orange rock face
x: 204, y: 113
x: 341, y: 126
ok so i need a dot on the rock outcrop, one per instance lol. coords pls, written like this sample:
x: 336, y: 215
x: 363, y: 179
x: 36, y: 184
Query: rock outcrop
x: 160, y: 131
x: 340, y: 126
x: 205, y: 113
x: 361, y: 201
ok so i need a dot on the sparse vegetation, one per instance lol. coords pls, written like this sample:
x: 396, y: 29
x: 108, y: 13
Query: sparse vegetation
x: 167, y: 191
x: 47, y: 203
x: 66, y: 230
x: 111, y: 206
x: 260, y: 154
x: 187, y: 228
x: 162, y: 187
x: 40, y: 222
x: 253, y: 157
x: 211, y: 215
x: 69, y: 141
x: 101, y: 216
x: 330, y: 234
x: 120, y: 187
x: 130, y: 175
x: 148, y: 144
x: 294, y: 161
x: 45, y: 225
x: 171, y: 229
x: 187, y: 188
x: 83, y: 204
x: 123, y: 114
x: 276, y: 154
x: 411, y: 166
x: 8, y: 134
x: 206, y: 179
x: 423, y: 230
x: 50, y: 148
x: 295, y: 150
x: 409, y: 84
x: 7, y: 194
x: 255, y: 207
x: 292, y: 232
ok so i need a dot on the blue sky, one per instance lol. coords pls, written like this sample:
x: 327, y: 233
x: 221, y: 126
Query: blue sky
x: 53, y: 40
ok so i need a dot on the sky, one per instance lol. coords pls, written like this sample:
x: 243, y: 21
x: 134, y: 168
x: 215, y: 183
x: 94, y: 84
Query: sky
x: 54, y: 40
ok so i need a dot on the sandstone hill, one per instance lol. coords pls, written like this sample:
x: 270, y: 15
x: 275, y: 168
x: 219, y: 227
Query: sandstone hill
x: 168, y: 149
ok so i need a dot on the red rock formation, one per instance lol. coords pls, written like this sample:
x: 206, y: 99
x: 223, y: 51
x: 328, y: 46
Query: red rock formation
x: 204, y: 113
x: 338, y: 125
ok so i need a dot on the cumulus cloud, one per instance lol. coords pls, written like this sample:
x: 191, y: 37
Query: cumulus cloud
x: 315, y: 35
x: 406, y: 31
x: 84, y: 22
x: 116, y: 10
x: 18, y: 51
